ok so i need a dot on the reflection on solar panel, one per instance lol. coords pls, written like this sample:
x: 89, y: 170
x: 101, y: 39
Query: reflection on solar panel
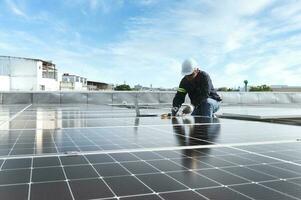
x: 105, y: 152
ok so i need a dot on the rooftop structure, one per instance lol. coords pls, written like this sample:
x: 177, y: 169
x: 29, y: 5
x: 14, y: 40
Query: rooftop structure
x: 73, y: 82
x: 27, y: 74
x: 98, y: 86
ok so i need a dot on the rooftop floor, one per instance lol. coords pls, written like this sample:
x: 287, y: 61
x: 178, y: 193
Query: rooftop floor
x: 265, y: 111
x: 106, y: 152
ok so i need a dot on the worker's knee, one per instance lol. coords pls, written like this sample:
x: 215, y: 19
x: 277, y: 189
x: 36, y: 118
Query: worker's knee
x: 206, y: 104
x: 212, y: 104
x: 206, y: 108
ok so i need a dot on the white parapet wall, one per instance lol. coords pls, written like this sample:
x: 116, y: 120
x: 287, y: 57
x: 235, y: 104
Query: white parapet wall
x: 4, y: 83
x: 115, y: 97
x: 261, y: 97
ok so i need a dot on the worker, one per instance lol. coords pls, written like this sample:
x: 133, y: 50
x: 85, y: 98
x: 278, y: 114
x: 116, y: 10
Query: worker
x: 198, y: 85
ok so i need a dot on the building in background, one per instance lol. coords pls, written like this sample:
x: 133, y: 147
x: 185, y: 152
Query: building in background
x: 97, y: 86
x: 73, y: 82
x: 151, y: 88
x: 285, y: 88
x: 138, y: 87
x: 27, y: 74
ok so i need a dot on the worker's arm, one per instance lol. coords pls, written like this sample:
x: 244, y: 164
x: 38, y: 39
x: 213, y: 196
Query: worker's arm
x: 207, y: 88
x: 206, y: 85
x: 178, y: 99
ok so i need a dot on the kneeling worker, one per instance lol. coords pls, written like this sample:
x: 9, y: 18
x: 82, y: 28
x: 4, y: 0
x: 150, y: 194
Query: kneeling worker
x: 200, y: 90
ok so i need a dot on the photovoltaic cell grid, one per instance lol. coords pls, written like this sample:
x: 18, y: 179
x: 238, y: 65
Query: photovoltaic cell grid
x: 79, y: 152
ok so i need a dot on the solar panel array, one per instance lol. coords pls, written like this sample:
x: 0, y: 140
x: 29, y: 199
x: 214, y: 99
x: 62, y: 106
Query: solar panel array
x: 105, y: 152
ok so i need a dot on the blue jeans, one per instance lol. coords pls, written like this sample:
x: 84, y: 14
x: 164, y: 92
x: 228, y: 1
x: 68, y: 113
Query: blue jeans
x: 206, y: 108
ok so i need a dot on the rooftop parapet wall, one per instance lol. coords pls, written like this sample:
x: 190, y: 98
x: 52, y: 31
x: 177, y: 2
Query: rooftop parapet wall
x: 261, y: 97
x: 115, y: 97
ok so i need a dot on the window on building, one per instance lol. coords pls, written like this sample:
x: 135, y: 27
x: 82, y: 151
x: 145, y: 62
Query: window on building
x: 49, y: 71
x: 77, y: 79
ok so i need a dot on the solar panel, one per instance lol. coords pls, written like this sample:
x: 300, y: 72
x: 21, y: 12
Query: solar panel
x: 106, y: 152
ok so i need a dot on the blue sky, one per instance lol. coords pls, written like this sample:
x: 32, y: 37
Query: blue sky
x: 145, y: 41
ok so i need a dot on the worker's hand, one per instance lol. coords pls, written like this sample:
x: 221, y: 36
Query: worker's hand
x: 174, y: 111
x: 187, y: 110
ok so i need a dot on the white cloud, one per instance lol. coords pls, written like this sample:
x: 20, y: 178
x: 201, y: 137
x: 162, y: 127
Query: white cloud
x: 241, y: 36
x: 154, y: 42
x: 105, y: 6
x: 15, y: 8
x: 235, y: 68
x: 146, y: 2
x: 283, y: 67
x: 287, y: 10
x: 246, y: 7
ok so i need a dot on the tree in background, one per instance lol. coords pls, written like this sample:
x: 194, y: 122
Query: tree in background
x: 225, y: 89
x: 260, y: 88
x: 123, y: 87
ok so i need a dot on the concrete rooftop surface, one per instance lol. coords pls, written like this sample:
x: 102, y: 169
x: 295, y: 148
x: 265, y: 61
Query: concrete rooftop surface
x: 88, y: 150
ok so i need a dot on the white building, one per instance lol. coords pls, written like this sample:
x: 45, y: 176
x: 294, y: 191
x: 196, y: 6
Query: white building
x: 73, y: 82
x: 27, y: 74
x: 138, y: 87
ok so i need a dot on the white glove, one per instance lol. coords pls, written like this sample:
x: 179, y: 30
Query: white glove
x: 187, y: 110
